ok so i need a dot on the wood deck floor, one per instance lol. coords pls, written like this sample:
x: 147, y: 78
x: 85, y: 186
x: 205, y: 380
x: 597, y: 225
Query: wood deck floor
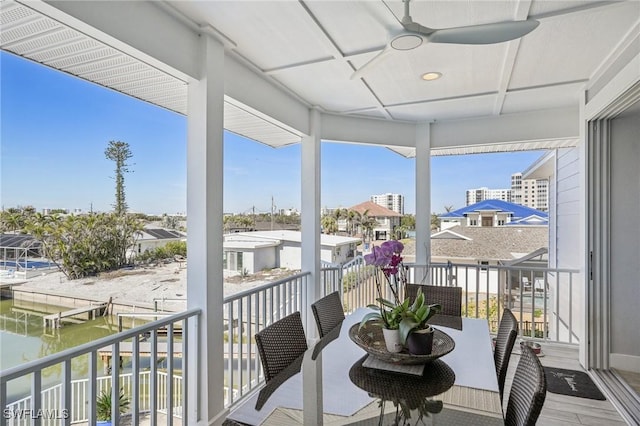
x: 562, y: 410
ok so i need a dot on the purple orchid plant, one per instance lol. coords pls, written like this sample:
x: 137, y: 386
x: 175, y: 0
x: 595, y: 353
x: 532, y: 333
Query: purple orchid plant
x: 388, y: 258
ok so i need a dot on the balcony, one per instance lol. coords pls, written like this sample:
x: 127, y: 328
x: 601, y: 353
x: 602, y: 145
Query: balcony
x: 222, y: 66
x: 487, y: 290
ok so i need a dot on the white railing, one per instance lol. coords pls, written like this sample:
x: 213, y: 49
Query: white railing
x: 541, y: 298
x: 74, y: 400
x: 248, y: 312
x: 51, y: 398
x: 358, y: 284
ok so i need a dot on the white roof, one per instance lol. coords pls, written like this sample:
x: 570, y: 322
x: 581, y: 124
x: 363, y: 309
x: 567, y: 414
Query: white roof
x: 249, y: 244
x: 293, y: 236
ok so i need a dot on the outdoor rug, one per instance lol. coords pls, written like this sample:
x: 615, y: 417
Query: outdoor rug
x: 572, y: 383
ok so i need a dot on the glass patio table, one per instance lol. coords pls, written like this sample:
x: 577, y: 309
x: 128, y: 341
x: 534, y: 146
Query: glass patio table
x: 330, y: 385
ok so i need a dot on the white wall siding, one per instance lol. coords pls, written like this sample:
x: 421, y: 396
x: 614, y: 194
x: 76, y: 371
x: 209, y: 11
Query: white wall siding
x: 264, y: 258
x: 326, y: 254
x: 625, y: 241
x: 566, y: 238
x: 290, y: 255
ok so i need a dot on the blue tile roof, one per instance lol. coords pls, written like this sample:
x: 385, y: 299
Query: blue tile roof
x: 518, y: 212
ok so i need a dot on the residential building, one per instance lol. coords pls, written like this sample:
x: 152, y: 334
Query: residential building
x: 488, y: 246
x: 385, y: 220
x: 532, y: 193
x: 251, y: 252
x: 480, y: 194
x: 393, y: 202
x: 151, y: 238
x: 493, y: 213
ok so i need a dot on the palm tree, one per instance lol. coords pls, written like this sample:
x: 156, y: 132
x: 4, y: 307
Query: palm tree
x: 351, y: 217
x: 14, y: 221
x: 339, y: 214
x: 329, y: 224
x: 435, y: 222
x: 366, y: 225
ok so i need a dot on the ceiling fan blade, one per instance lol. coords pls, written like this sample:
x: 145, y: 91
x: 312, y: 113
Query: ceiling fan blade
x: 483, y: 34
x: 372, y: 62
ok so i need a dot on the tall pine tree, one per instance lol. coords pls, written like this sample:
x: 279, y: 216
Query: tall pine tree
x: 119, y: 152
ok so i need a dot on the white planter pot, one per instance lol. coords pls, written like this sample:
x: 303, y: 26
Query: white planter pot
x: 392, y: 340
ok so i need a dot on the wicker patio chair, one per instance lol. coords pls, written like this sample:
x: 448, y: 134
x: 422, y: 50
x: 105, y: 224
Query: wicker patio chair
x: 328, y: 313
x: 449, y: 297
x: 528, y: 391
x: 507, y: 334
x: 280, y: 344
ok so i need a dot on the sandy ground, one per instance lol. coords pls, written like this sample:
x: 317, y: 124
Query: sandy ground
x: 141, y: 285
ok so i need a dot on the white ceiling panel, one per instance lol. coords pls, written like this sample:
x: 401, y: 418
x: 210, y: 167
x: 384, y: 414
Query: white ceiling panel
x: 560, y: 7
x: 354, y: 26
x: 446, y: 13
x: 571, y: 47
x: 314, y: 82
x: 545, y: 97
x: 309, y: 49
x: 270, y: 34
x: 465, y: 70
x: 449, y: 109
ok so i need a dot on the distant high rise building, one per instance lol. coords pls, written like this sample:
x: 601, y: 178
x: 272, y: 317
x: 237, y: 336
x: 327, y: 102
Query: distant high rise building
x: 393, y: 202
x: 480, y: 194
x: 532, y: 193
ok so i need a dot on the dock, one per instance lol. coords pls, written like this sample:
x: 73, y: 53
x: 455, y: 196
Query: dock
x: 93, y: 311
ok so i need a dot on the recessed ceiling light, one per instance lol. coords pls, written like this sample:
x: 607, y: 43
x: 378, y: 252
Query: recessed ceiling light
x: 429, y: 76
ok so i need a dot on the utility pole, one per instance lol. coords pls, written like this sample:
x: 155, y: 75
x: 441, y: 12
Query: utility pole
x: 272, y: 212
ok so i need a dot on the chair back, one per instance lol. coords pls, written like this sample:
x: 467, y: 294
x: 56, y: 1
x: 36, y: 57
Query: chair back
x: 328, y: 313
x: 280, y: 344
x: 528, y: 391
x: 507, y: 334
x: 449, y: 297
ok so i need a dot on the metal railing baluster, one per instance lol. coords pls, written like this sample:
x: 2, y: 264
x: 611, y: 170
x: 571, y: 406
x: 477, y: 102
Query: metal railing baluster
x: 135, y: 380
x: 65, y: 403
x: 185, y: 371
x: 36, y: 395
x: 92, y: 393
x: 153, y: 379
x: 169, y: 395
x: 115, y: 382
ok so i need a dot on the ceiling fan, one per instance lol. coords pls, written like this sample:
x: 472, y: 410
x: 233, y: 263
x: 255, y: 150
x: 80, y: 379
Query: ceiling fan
x: 414, y: 35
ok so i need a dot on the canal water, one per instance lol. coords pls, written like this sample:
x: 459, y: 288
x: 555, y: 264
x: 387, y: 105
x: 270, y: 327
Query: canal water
x: 23, y: 339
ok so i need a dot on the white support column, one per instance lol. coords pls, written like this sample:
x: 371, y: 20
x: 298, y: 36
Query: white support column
x: 204, y: 227
x: 310, y: 217
x: 423, y: 194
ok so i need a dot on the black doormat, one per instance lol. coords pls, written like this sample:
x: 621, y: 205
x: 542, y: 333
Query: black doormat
x: 572, y: 383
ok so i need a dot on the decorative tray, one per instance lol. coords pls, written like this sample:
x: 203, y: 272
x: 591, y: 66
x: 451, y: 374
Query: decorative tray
x: 370, y: 338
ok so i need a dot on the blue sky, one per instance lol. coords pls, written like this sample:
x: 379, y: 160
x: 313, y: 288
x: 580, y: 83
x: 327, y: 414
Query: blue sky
x: 55, y: 128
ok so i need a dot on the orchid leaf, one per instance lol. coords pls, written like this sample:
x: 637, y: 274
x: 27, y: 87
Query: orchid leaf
x: 406, y: 326
x: 387, y: 303
x: 371, y: 316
